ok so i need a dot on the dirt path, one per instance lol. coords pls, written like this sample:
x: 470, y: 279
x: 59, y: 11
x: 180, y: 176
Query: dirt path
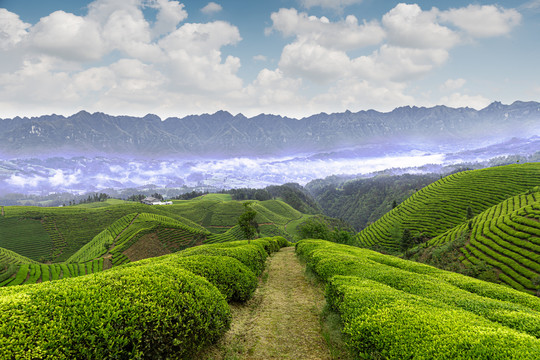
x: 281, y: 321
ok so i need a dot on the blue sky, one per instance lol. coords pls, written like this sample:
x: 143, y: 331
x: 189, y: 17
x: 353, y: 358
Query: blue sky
x: 288, y: 57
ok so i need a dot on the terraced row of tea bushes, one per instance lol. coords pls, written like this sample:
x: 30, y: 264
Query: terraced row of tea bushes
x: 27, y: 237
x: 31, y: 273
x: 443, y: 205
x: 124, y: 232
x: 503, y: 208
x: 507, y: 238
x: 151, y: 309
x: 233, y: 234
x: 78, y: 225
x: 11, y: 257
x: 397, y: 309
x: 101, y: 243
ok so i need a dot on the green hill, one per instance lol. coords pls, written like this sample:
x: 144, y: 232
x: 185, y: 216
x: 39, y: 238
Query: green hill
x: 71, y: 241
x: 506, y: 237
x: 443, y: 205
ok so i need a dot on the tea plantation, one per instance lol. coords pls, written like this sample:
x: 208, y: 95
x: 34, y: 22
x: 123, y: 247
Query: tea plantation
x: 443, y: 205
x: 505, y: 236
x: 165, y: 307
x: 398, y: 309
x: 116, y: 232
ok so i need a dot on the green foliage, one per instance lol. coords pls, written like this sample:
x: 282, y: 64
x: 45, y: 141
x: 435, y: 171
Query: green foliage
x: 247, y: 222
x: 363, y: 201
x: 148, y: 312
x: 319, y: 227
x: 398, y: 309
x: 502, y: 242
x: 440, y: 206
x: 26, y: 237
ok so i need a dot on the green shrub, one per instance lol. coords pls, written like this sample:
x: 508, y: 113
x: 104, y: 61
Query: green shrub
x: 147, y: 312
x: 232, y: 278
x: 252, y: 255
x: 394, y: 308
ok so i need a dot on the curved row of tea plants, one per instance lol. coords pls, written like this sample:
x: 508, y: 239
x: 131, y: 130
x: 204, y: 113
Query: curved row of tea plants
x: 507, y: 237
x: 124, y: 232
x: 31, y: 273
x: 166, y: 307
x: 443, y: 205
x: 397, y: 309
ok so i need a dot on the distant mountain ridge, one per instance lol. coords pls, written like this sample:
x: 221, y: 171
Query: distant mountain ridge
x: 223, y: 134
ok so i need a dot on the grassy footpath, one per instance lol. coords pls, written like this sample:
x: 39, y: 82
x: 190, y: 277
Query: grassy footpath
x: 281, y: 321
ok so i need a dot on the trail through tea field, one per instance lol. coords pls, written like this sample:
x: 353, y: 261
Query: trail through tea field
x: 281, y: 321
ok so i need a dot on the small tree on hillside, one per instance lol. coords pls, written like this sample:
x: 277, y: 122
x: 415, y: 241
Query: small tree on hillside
x: 470, y: 213
x: 247, y: 222
x: 406, y: 240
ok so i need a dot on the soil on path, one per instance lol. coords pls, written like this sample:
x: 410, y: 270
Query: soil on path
x: 281, y: 321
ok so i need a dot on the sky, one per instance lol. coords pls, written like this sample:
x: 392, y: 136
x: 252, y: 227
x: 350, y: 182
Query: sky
x: 288, y: 57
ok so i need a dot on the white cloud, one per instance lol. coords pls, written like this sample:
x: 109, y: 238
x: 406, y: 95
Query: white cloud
x: 329, y: 4
x: 483, y: 21
x: 273, y: 89
x: 347, y: 34
x: 409, y: 26
x: 211, y: 8
x: 453, y: 84
x: 61, y: 179
x: 68, y: 36
x: 170, y: 14
x: 25, y: 181
x: 313, y: 61
x: 458, y: 100
x: 12, y: 29
x: 113, y: 59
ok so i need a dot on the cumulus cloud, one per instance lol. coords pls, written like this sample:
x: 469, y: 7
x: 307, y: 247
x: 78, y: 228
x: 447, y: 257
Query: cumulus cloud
x: 483, y: 21
x: 211, y: 8
x: 170, y: 14
x: 12, y: 29
x: 68, y: 36
x: 114, y: 59
x: 347, y: 34
x: 410, y: 26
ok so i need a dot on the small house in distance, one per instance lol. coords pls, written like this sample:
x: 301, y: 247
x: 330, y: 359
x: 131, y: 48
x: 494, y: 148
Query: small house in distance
x: 149, y: 200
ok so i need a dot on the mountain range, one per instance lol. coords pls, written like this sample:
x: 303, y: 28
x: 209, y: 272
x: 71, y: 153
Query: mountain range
x: 222, y: 134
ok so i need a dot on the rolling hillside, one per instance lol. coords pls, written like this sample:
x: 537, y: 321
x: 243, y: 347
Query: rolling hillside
x: 443, y: 205
x: 79, y: 240
x: 506, y: 237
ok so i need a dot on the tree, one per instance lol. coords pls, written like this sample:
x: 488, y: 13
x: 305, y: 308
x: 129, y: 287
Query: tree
x: 247, y: 222
x: 406, y: 240
x: 394, y: 204
x: 313, y: 229
x: 470, y: 214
